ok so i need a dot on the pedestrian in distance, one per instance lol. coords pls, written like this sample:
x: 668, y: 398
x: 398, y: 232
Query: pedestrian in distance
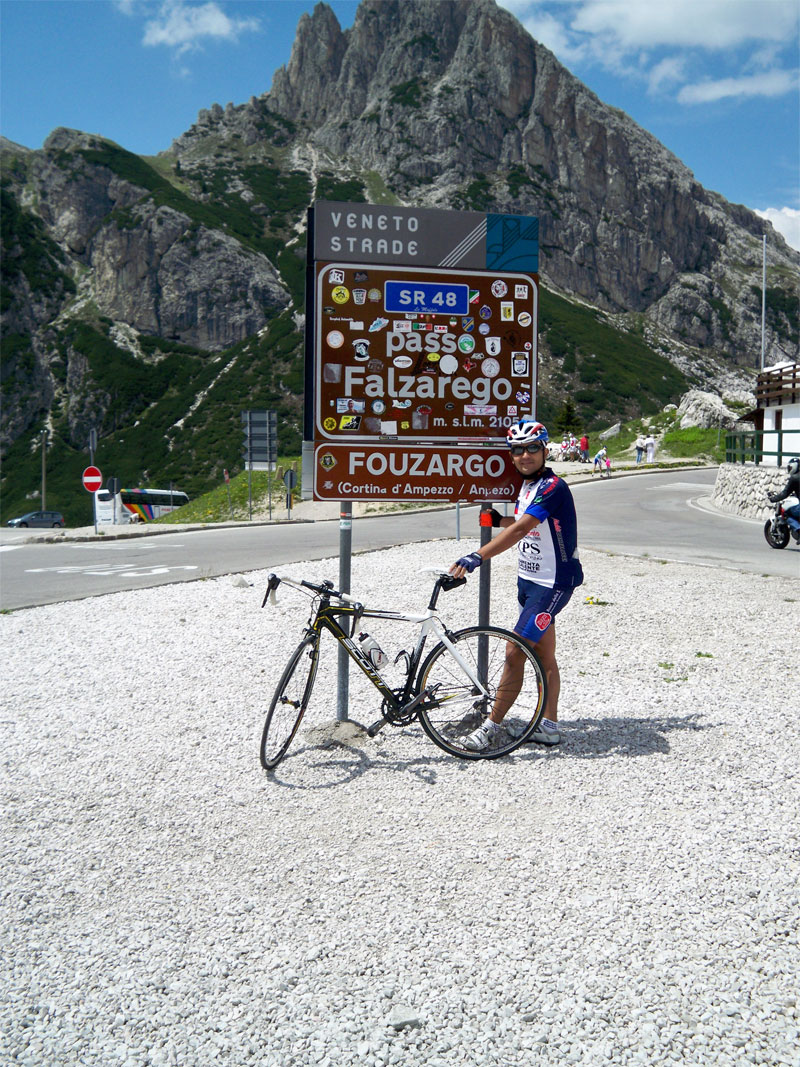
x: 639, y: 446
x: 600, y: 461
x: 545, y: 530
x: 584, y: 447
x: 650, y: 448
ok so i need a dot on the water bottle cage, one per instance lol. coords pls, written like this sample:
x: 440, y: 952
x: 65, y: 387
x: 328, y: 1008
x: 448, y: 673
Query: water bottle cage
x: 405, y: 657
x: 358, y: 611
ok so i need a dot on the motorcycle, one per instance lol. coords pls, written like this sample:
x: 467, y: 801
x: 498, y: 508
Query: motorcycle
x: 780, y: 528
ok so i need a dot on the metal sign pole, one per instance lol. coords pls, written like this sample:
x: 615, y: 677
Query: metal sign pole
x: 250, y: 465
x: 345, y: 561
x: 484, y: 590
x: 92, y: 448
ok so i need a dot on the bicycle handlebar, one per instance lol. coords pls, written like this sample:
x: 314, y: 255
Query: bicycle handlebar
x: 444, y: 581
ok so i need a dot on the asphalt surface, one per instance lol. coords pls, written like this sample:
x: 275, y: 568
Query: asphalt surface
x: 665, y: 515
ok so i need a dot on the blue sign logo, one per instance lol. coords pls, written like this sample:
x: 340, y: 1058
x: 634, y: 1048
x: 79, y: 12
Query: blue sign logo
x: 426, y: 298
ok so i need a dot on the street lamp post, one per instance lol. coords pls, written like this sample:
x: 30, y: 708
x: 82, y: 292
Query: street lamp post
x: 763, y: 297
x: 44, y: 470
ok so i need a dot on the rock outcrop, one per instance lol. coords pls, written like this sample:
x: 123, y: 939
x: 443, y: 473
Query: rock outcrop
x: 698, y: 408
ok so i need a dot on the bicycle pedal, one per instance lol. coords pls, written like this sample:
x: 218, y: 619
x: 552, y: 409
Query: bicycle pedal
x: 376, y: 728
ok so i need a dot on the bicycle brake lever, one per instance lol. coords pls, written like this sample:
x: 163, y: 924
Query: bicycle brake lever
x: 273, y: 581
x: 449, y: 583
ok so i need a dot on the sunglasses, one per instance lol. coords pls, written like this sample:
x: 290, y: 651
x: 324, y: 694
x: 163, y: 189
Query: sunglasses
x: 520, y: 450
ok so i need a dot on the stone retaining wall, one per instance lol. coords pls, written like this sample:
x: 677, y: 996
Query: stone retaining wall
x: 741, y: 489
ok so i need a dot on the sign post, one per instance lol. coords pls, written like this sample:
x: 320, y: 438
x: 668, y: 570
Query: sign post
x: 113, y: 485
x: 290, y: 481
x: 260, y: 451
x: 92, y: 480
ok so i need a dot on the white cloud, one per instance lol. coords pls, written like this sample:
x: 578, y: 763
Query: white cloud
x: 710, y: 24
x: 771, y: 83
x: 668, y: 72
x: 183, y: 27
x: 786, y: 221
x: 553, y: 35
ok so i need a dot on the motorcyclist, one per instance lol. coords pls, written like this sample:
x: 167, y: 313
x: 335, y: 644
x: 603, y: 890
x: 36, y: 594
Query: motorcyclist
x: 792, y: 488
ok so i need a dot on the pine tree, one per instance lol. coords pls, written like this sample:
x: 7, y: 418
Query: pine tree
x: 568, y: 418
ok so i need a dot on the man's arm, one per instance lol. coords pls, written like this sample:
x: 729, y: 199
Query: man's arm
x: 788, y: 490
x: 513, y: 531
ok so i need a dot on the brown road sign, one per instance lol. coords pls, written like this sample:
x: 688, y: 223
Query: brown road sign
x: 420, y: 355
x: 449, y: 474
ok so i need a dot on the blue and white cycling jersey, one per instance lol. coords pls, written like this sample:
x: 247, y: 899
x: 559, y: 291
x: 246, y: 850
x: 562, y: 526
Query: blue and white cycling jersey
x: 548, y: 555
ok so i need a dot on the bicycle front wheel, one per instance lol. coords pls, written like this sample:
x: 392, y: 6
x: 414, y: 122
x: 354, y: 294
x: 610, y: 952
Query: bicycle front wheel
x: 289, y: 702
x: 457, y: 705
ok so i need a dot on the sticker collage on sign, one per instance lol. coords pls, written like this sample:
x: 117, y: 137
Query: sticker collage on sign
x: 422, y: 355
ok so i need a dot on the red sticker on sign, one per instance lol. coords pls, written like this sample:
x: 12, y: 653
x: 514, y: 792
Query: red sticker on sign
x: 543, y: 620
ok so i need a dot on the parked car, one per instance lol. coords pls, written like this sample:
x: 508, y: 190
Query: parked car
x: 39, y: 518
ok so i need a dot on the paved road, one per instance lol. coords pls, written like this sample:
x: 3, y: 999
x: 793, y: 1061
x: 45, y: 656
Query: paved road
x: 668, y: 516
x: 659, y: 515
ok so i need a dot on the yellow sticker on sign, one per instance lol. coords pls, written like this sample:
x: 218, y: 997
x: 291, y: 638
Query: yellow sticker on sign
x: 340, y: 294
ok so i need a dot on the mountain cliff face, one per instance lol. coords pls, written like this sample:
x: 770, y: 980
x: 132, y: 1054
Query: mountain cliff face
x: 199, y: 253
x: 453, y: 104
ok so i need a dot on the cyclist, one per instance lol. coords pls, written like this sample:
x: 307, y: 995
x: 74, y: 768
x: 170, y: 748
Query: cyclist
x: 545, y: 530
x: 792, y: 488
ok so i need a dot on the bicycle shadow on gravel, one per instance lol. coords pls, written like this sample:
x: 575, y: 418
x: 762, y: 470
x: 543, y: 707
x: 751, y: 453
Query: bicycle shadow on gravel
x: 333, y: 763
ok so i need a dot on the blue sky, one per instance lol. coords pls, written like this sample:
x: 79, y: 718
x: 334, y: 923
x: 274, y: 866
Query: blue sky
x: 715, y: 80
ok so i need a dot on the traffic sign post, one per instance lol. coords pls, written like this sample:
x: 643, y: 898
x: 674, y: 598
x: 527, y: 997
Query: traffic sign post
x: 290, y: 481
x: 228, y: 487
x: 113, y: 486
x: 260, y: 451
x: 92, y: 481
x: 417, y: 356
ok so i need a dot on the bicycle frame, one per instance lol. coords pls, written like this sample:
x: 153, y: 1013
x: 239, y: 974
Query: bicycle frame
x: 327, y: 616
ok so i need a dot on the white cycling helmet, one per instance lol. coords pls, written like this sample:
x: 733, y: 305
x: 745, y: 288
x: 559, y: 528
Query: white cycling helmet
x: 527, y: 432
x: 793, y: 466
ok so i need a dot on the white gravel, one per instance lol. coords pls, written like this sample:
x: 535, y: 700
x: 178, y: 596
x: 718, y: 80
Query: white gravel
x: 628, y: 898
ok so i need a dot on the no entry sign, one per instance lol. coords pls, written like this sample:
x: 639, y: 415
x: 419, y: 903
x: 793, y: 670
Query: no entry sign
x: 92, y: 479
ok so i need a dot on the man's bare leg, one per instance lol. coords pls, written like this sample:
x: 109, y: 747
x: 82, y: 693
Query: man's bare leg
x: 514, y: 670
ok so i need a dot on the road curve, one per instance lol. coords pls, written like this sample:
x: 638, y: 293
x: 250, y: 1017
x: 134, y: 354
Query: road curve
x: 665, y: 515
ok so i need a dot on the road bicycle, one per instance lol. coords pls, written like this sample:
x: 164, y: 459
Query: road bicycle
x: 450, y: 692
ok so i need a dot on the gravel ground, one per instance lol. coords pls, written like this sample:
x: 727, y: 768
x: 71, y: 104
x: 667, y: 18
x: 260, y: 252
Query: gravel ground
x: 630, y: 897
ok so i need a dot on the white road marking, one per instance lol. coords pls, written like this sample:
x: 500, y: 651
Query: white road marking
x: 120, y: 570
x: 122, y: 547
x: 699, y: 504
x: 673, y: 485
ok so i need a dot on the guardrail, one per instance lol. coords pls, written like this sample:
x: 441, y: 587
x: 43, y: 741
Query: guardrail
x: 748, y: 446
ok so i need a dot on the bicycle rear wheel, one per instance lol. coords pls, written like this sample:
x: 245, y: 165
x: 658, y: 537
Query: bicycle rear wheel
x: 289, y: 702
x: 457, y: 706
